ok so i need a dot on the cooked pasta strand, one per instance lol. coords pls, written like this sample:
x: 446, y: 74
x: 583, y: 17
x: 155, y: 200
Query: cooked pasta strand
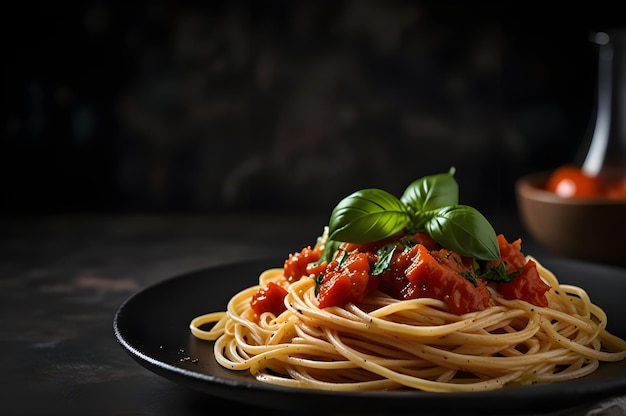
x: 386, y: 344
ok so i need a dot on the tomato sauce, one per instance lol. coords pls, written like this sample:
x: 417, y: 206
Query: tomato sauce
x: 417, y: 267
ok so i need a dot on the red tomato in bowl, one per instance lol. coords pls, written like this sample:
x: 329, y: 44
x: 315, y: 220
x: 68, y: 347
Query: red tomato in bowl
x: 570, y: 182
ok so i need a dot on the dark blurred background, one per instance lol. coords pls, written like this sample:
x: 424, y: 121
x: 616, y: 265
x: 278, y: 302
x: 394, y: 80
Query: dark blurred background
x: 286, y: 105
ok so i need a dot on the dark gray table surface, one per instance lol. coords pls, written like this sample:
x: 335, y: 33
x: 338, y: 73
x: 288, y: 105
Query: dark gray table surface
x: 62, y: 278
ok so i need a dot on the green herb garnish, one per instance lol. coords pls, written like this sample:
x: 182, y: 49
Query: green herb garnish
x: 429, y: 204
x: 494, y: 274
x: 318, y: 281
x: 385, y: 255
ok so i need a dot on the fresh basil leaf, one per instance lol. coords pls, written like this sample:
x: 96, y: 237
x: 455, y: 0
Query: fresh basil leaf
x: 431, y: 192
x: 366, y: 216
x: 463, y: 229
x: 385, y: 255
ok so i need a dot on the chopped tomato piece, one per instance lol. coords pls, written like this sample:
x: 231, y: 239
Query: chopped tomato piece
x: 452, y: 260
x: 269, y: 299
x: 316, y: 269
x: 431, y: 278
x: 345, y: 282
x: 527, y: 286
x: 297, y: 264
x: 510, y: 254
x: 393, y: 280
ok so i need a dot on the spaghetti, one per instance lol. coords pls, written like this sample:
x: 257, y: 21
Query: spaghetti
x: 418, y: 293
x: 383, y: 343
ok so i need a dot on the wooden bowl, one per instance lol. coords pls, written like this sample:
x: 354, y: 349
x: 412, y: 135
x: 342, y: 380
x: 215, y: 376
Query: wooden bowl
x: 591, y: 229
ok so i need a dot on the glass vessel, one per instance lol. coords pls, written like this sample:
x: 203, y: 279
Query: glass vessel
x: 603, y: 155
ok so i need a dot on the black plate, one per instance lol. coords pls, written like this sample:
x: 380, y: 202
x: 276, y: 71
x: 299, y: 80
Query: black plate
x: 153, y: 327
